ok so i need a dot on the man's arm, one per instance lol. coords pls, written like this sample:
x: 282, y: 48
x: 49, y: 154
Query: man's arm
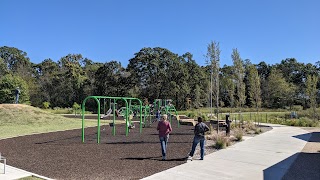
x: 206, y: 128
x: 170, y: 128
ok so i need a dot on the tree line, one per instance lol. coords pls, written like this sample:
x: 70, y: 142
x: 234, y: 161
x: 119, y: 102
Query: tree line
x: 158, y: 73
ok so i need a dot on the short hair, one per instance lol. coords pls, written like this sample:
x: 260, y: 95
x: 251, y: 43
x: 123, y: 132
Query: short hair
x: 199, y: 119
x: 165, y: 117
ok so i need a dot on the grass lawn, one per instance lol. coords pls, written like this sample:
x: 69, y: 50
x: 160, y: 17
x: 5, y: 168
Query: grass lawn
x: 277, y: 116
x: 19, y: 119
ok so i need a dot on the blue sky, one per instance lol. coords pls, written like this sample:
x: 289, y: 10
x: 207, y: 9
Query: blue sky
x: 105, y: 30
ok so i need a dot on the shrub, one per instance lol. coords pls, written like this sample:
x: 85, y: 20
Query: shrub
x: 297, y: 108
x: 238, y: 134
x: 191, y: 115
x: 249, y: 126
x: 257, y: 131
x: 46, y: 105
x: 221, y: 142
x: 75, y: 107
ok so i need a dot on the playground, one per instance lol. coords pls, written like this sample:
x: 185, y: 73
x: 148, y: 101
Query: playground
x: 62, y: 155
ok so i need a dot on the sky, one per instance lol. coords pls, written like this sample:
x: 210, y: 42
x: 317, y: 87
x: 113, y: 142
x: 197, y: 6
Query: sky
x: 106, y: 30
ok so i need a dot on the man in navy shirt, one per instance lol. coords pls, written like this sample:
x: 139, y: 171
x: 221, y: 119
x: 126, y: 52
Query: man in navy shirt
x: 199, y: 131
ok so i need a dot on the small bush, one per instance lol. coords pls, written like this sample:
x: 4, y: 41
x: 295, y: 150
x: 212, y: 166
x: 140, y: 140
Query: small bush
x: 257, y: 131
x: 76, y: 107
x: 238, y: 134
x: 46, y: 105
x: 249, y: 126
x: 221, y: 142
x: 297, y: 108
x: 191, y: 115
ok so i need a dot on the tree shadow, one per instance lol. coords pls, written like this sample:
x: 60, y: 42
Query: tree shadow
x: 296, y: 167
x: 175, y: 134
x: 307, y: 136
x: 157, y: 158
x: 277, y: 171
x: 59, y: 140
x: 143, y: 142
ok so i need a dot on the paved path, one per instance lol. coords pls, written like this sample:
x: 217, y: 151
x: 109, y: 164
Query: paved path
x: 15, y: 173
x: 267, y: 156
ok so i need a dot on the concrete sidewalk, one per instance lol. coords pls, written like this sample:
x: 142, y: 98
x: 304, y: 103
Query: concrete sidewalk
x: 15, y: 173
x: 267, y: 156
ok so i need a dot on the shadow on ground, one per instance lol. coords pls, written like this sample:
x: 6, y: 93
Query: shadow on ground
x: 303, y: 165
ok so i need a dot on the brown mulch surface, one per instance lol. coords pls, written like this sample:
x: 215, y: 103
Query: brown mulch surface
x: 307, y: 164
x: 62, y: 155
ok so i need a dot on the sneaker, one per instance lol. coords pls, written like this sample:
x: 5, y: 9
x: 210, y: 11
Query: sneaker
x: 190, y: 158
x: 163, y: 158
x: 201, y: 159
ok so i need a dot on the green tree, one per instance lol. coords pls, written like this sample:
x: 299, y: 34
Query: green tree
x: 46, y: 73
x: 254, y: 90
x: 90, y: 69
x: 239, y: 73
x: 264, y: 72
x: 280, y: 92
x: 311, y: 92
x: 18, y: 63
x: 193, y: 82
x: 3, y: 68
x: 69, y: 81
x: 8, y: 84
x: 228, y: 86
x: 110, y: 80
x: 213, y: 59
x: 152, y: 69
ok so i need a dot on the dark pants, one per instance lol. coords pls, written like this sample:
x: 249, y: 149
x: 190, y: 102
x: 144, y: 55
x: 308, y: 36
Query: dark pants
x: 196, y: 140
x: 17, y: 98
x: 164, y: 143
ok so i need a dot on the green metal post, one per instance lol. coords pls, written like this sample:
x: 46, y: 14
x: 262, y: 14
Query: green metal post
x: 140, y: 118
x: 98, y: 135
x: 104, y: 106
x: 83, y: 110
x: 127, y: 118
x: 145, y: 114
x: 114, y: 117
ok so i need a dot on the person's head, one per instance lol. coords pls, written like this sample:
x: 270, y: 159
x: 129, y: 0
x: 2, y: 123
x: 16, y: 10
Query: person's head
x: 199, y: 119
x: 164, y: 117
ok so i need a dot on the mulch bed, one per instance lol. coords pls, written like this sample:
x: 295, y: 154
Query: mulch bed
x: 62, y: 155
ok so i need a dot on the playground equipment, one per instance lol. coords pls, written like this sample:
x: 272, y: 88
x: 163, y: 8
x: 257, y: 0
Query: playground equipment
x: 126, y: 113
x: 166, y: 107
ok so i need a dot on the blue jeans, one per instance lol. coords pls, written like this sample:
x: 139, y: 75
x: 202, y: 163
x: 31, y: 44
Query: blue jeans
x: 196, y: 140
x: 164, y: 143
x: 17, y: 98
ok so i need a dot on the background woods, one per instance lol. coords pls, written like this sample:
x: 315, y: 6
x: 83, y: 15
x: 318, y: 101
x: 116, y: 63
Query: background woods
x: 158, y: 73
